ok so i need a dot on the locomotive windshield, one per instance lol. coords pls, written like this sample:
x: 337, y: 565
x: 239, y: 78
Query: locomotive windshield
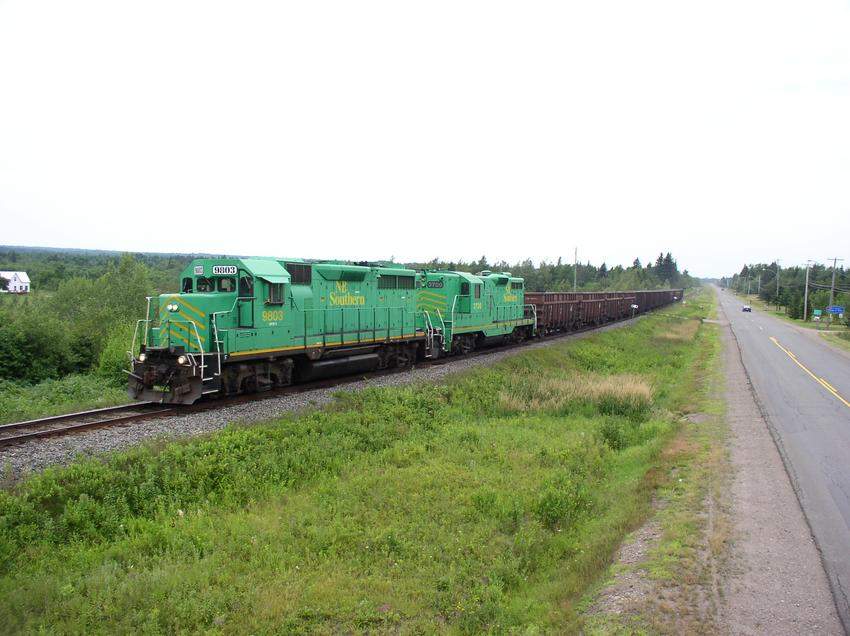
x: 226, y: 284
x: 205, y: 285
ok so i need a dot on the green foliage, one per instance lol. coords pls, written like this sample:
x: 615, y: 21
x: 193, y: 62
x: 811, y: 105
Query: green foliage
x: 46, y: 335
x: 114, y: 358
x: 34, y: 345
x: 415, y: 509
x: 559, y: 276
x: 49, y: 268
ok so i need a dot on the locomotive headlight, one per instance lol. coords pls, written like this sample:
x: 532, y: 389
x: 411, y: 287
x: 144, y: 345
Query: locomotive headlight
x: 182, y: 360
x: 142, y: 357
x: 172, y: 307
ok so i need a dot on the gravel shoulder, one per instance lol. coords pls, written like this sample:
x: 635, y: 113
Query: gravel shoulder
x: 776, y: 583
x: 18, y: 461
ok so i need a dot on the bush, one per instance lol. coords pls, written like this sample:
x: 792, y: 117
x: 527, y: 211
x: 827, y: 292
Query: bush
x: 562, y: 503
x: 34, y: 345
x: 114, y: 359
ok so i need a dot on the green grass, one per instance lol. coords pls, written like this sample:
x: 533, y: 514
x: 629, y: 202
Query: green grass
x: 481, y: 504
x: 840, y: 339
x: 53, y: 397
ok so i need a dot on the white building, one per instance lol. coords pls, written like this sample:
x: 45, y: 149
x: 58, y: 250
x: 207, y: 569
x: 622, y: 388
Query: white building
x: 19, y: 282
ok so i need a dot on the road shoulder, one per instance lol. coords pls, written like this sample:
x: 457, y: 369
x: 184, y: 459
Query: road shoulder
x: 776, y: 582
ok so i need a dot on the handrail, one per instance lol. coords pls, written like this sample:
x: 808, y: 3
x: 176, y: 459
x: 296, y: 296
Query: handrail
x: 454, y: 303
x: 534, y: 311
x: 135, y: 333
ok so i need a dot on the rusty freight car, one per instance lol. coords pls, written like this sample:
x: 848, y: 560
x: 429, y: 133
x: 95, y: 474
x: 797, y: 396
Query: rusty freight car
x: 570, y: 311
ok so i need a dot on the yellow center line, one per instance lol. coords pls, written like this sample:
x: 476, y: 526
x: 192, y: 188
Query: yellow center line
x: 820, y: 381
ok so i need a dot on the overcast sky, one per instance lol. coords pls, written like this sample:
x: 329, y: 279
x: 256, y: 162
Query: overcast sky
x: 717, y: 130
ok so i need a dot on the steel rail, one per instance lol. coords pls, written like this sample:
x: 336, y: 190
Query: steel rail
x: 142, y: 410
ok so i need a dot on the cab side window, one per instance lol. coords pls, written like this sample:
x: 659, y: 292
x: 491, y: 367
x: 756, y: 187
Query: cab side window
x: 478, y: 291
x: 275, y: 294
x: 205, y: 285
x: 187, y: 285
x: 246, y: 287
x: 464, y: 289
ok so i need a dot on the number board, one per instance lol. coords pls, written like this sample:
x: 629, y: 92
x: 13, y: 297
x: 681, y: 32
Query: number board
x: 434, y: 284
x: 224, y: 270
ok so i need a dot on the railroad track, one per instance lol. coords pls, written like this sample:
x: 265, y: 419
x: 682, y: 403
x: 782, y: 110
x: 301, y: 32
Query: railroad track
x: 71, y: 422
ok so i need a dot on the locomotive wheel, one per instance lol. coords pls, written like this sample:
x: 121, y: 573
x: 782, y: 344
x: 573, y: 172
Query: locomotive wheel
x: 465, y: 344
x: 405, y: 357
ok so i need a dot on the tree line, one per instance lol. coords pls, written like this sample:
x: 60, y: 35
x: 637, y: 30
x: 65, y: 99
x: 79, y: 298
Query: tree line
x: 661, y: 273
x: 761, y: 279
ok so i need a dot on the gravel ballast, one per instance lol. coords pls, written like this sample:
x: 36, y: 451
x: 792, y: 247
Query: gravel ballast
x: 19, y: 460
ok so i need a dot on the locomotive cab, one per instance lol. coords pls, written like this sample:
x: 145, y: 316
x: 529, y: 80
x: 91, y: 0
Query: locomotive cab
x: 179, y: 338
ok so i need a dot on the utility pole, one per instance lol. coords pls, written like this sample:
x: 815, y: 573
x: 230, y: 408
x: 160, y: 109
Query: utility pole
x: 759, y: 290
x: 748, y: 284
x: 832, y: 289
x: 777, y: 285
x: 806, y: 294
x: 575, y: 271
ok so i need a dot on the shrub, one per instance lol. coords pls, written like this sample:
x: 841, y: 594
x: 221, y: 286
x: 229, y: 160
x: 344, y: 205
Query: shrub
x: 114, y: 358
x: 562, y: 503
x: 34, y: 345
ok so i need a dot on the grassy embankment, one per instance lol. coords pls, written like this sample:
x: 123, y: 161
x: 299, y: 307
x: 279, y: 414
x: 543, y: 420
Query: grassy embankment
x: 490, y: 502
x: 683, y: 567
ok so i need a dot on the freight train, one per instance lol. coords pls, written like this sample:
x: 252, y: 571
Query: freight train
x: 240, y: 325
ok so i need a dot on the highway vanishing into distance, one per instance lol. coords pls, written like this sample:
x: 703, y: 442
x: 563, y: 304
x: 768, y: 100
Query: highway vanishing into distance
x: 802, y: 386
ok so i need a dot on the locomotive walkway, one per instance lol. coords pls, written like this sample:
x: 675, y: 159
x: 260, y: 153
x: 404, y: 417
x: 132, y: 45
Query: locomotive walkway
x: 802, y: 386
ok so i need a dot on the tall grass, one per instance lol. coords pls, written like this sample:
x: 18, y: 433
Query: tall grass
x: 487, y: 503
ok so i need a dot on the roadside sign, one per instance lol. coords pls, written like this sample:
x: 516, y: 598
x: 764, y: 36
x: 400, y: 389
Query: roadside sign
x: 835, y: 309
x: 817, y: 312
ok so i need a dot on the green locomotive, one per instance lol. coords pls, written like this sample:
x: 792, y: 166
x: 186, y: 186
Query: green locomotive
x: 242, y: 325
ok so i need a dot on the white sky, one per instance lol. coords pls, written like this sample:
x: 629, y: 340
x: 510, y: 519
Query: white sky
x: 717, y: 130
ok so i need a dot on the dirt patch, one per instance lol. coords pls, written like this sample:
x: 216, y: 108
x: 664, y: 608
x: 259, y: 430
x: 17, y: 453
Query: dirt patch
x: 631, y: 585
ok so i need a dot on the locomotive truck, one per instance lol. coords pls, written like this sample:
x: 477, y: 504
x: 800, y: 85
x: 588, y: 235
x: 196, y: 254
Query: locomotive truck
x: 240, y: 325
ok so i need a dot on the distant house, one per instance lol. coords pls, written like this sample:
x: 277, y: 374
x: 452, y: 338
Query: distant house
x: 19, y: 282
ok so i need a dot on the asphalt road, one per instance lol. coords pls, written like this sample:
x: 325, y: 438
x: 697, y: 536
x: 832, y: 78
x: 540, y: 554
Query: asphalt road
x: 803, y: 387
